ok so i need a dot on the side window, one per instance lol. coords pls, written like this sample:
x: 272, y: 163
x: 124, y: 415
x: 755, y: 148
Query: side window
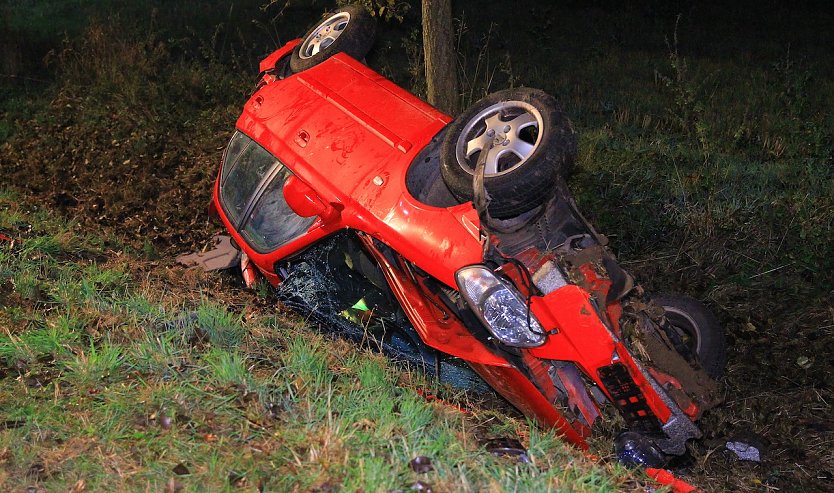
x: 272, y: 223
x: 236, y: 146
x: 246, y: 165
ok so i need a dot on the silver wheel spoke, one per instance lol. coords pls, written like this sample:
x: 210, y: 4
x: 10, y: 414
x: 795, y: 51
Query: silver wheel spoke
x: 523, y: 120
x: 479, y: 143
x: 520, y: 148
x: 315, y: 47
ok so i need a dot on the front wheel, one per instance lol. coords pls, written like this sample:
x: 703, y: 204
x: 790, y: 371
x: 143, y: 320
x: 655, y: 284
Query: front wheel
x: 528, y: 143
x: 696, y: 327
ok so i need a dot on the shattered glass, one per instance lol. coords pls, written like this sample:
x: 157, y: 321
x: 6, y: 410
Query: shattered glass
x: 325, y: 286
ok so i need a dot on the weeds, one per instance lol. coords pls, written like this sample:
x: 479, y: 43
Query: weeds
x: 478, y: 71
x: 226, y: 368
x: 55, y: 339
x: 689, y: 111
x: 94, y: 365
x: 221, y: 327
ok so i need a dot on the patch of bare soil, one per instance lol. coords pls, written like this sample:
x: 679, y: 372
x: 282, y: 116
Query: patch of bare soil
x: 155, y: 197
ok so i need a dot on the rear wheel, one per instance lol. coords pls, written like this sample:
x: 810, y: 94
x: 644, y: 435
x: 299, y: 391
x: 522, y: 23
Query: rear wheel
x: 697, y: 328
x: 351, y: 30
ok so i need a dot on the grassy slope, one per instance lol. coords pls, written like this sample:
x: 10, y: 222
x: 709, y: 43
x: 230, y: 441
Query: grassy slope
x: 120, y: 375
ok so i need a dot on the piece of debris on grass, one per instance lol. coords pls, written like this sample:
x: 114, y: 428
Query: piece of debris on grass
x: 223, y: 255
x: 421, y: 464
x: 421, y: 486
x: 747, y: 445
x: 744, y: 451
x: 508, y: 447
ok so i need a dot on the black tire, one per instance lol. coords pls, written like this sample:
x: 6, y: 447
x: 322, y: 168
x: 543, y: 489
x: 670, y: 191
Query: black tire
x: 524, y: 165
x: 700, y: 330
x: 357, y: 31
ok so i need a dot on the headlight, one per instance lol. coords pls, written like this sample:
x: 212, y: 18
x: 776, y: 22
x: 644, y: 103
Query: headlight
x: 500, y: 307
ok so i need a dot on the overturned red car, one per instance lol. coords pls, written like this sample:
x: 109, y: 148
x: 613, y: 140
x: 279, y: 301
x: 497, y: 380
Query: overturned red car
x: 455, y: 245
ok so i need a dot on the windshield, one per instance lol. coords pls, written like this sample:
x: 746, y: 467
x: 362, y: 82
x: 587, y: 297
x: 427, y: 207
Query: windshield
x: 252, y: 196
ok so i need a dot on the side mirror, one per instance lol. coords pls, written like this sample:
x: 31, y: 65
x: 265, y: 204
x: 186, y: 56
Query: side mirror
x: 305, y: 202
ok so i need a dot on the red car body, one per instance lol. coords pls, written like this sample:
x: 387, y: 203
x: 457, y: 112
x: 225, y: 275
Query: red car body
x: 349, y: 136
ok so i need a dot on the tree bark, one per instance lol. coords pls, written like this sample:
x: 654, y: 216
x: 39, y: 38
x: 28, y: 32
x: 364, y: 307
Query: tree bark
x: 440, y: 56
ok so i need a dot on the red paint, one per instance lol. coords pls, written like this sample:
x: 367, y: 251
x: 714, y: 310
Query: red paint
x: 666, y: 478
x: 269, y: 62
x: 684, y: 402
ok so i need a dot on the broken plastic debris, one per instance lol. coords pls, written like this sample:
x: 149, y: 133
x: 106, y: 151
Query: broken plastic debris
x: 744, y: 451
x: 803, y: 362
x: 222, y: 256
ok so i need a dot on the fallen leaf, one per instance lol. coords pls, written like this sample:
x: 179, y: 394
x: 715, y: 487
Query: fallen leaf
x: 79, y: 486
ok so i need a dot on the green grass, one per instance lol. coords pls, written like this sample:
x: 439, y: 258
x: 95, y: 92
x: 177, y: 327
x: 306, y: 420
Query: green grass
x: 108, y: 381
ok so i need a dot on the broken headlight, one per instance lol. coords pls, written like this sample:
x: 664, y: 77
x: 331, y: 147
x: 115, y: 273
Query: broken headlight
x: 500, y: 307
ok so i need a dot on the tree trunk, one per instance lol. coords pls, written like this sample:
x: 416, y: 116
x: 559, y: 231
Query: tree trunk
x: 440, y: 56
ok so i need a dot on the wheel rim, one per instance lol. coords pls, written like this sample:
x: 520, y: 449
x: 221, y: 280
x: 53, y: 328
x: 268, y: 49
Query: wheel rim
x: 324, y: 35
x: 513, y: 128
x: 686, y: 327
